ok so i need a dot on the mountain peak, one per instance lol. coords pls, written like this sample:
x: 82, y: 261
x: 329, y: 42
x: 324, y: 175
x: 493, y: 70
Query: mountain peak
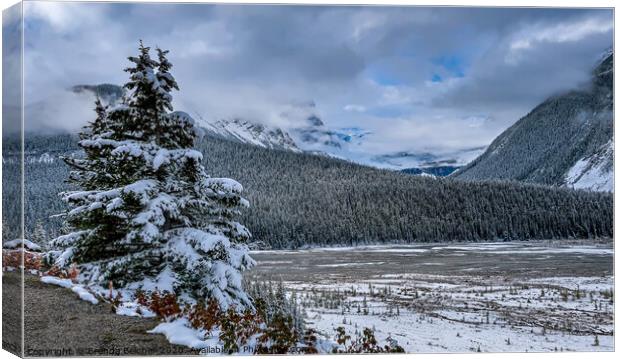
x: 253, y: 133
x: 313, y: 120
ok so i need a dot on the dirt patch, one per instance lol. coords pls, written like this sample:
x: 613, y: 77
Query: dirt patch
x: 11, y: 313
x: 57, y: 323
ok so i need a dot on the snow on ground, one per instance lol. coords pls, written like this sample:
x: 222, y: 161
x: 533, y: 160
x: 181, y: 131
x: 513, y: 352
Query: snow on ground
x: 177, y: 331
x: 21, y: 243
x: 497, y: 297
x: 420, y: 333
x: 180, y: 332
x: 65, y: 283
x: 511, y: 248
x: 375, y: 248
x: 84, y: 294
x: 540, y: 250
x: 350, y: 264
x: 443, y: 317
x: 132, y: 309
x: 492, y: 247
x: 583, y: 283
x: 477, y: 247
x: 430, y: 300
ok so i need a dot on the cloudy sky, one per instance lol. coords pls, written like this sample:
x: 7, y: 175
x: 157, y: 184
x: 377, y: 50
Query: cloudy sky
x: 419, y: 78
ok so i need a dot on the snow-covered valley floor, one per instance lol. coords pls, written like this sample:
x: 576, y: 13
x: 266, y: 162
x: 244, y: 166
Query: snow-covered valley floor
x: 498, y: 297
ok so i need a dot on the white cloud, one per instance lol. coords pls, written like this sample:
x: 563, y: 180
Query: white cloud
x: 365, y: 22
x: 354, y: 108
x: 62, y: 16
x: 571, y: 31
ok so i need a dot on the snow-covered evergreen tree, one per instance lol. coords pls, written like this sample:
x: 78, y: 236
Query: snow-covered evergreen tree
x: 39, y: 234
x: 148, y: 216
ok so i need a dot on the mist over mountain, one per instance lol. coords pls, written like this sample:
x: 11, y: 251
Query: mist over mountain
x: 565, y: 141
x: 305, y: 131
x: 312, y: 135
x: 109, y: 94
x: 427, y: 162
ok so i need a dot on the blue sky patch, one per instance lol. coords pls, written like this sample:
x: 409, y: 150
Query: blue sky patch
x: 454, y: 64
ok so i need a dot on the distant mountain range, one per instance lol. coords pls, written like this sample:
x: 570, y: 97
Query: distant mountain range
x: 308, y: 134
x: 436, y: 164
x: 313, y: 136
x: 565, y: 141
x: 251, y: 133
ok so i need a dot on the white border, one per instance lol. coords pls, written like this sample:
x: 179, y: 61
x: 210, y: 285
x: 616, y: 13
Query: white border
x: 477, y: 3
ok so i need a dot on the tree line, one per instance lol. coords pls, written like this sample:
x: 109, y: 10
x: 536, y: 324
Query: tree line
x: 299, y: 200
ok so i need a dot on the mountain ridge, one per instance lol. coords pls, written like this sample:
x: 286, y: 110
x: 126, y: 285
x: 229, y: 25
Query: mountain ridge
x: 561, y: 141
x: 251, y: 133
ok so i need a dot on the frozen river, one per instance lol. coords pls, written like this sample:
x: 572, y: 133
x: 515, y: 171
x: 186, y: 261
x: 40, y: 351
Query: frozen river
x: 532, y: 296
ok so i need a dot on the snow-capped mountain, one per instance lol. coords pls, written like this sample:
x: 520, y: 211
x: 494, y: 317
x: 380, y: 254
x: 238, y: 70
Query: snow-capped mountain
x: 252, y: 133
x: 306, y: 132
x: 315, y: 136
x: 565, y: 141
x: 438, y: 171
x: 310, y: 134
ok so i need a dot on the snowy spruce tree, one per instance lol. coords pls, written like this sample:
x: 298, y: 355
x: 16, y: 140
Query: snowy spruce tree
x: 147, y: 215
x: 39, y: 234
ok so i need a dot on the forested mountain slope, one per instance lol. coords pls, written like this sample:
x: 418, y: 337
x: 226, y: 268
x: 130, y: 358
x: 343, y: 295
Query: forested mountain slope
x: 565, y: 141
x: 299, y: 199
